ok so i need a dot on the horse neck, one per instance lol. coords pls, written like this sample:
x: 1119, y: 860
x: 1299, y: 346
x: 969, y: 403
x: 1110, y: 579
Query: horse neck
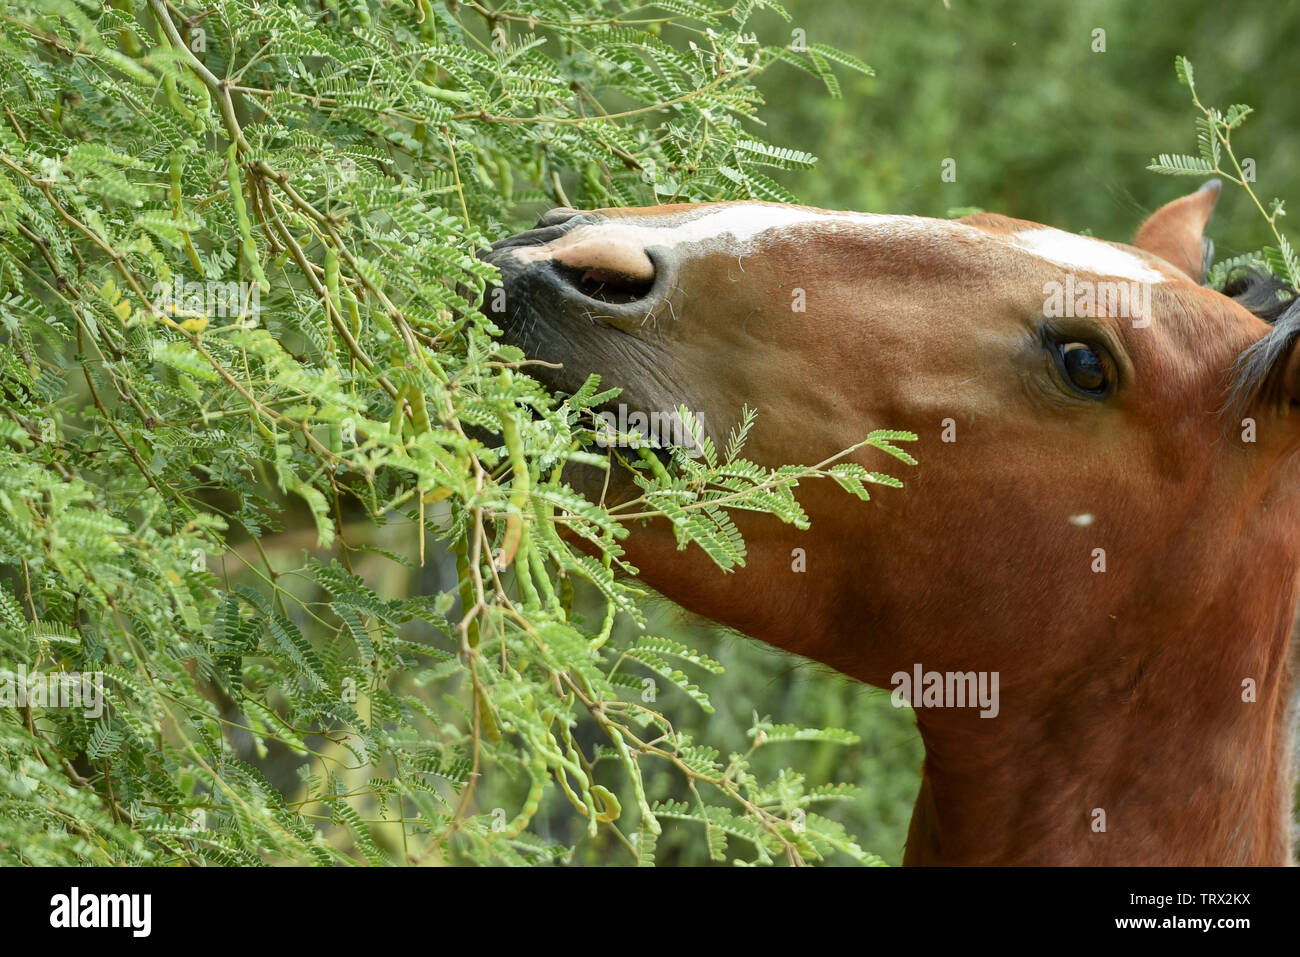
x: 1150, y: 757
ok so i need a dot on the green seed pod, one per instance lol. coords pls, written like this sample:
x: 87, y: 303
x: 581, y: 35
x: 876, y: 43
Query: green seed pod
x: 566, y: 595
x: 490, y: 728
x: 505, y: 177
x: 169, y: 87
x: 126, y: 37
x: 419, y: 411
x: 177, y: 167
x: 428, y: 27
x: 247, y: 248
x: 332, y: 291
x: 519, y: 490
x: 399, y: 409
x: 192, y: 254
x: 612, y: 809
x: 537, y: 771
x: 178, y: 210
x: 354, y: 316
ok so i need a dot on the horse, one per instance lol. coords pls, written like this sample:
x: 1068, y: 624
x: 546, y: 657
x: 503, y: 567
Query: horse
x: 1101, y: 520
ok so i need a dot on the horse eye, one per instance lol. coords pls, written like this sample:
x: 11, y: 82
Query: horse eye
x: 1084, y: 367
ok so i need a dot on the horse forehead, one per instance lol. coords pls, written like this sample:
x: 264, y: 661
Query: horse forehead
x: 746, y: 223
x: 751, y: 224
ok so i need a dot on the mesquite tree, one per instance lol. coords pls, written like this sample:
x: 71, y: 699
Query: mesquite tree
x: 238, y: 293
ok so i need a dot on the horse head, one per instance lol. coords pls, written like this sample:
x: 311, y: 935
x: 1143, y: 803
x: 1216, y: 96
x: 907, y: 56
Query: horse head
x: 1101, y: 514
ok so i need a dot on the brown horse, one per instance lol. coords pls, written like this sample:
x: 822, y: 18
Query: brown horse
x: 1102, y: 521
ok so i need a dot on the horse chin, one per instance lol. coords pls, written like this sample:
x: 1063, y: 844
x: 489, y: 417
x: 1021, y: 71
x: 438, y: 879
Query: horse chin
x: 624, y: 456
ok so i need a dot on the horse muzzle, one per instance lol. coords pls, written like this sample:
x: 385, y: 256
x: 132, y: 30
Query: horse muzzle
x: 574, y: 271
x: 584, y: 293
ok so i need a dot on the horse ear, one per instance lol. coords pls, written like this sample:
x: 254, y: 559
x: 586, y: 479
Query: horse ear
x: 1175, y: 232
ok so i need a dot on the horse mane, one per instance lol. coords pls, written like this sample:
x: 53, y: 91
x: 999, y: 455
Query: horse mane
x: 1257, y: 373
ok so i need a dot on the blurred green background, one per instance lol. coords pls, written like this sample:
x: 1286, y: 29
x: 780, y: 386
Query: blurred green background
x: 1041, y: 127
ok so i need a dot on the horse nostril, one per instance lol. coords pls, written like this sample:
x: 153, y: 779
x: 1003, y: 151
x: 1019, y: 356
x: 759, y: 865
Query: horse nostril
x: 561, y: 214
x: 606, y: 285
x: 601, y: 260
x: 605, y: 262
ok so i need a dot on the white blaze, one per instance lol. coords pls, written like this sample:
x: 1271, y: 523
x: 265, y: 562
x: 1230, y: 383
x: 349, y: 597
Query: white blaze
x: 740, y: 224
x: 1084, y: 252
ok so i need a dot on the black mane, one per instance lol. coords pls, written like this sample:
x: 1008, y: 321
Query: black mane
x: 1257, y: 372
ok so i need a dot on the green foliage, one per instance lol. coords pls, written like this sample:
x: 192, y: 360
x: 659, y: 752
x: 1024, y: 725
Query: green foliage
x: 1214, y: 130
x: 238, y: 293
x: 1042, y: 124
